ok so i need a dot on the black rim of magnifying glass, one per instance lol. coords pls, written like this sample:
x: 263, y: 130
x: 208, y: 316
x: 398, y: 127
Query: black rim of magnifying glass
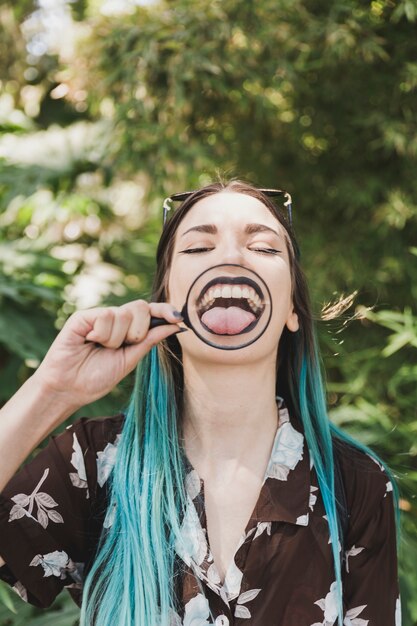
x: 207, y: 341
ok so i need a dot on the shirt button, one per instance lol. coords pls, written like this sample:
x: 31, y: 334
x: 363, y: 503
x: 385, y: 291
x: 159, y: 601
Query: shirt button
x: 222, y: 620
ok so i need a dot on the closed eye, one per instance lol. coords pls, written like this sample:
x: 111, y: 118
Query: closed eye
x: 194, y: 250
x: 266, y: 250
x: 262, y: 250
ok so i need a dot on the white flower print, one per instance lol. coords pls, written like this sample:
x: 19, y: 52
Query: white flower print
x: 233, y: 580
x: 55, y: 563
x: 43, y: 501
x: 313, y: 497
x: 261, y: 527
x: 20, y: 590
x: 352, y: 619
x: 192, y: 484
x: 223, y: 595
x: 330, y: 539
x: 381, y: 467
x: 78, y: 478
x: 398, y: 612
x: 110, y: 515
x: 243, y: 611
x: 302, y: 520
x: 106, y: 460
x: 328, y: 605
x: 197, y: 611
x: 194, y: 544
x: 388, y: 488
x: 286, y: 453
x: 213, y: 575
x: 252, y: 530
x: 76, y: 571
x: 353, y: 551
x: 174, y: 618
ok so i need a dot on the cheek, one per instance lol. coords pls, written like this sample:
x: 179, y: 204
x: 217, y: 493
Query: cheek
x: 176, y: 287
x: 281, y: 296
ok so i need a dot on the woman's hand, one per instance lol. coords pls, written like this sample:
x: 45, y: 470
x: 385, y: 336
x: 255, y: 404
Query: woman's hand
x: 77, y: 368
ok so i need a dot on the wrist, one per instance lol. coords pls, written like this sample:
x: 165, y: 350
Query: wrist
x: 55, y: 406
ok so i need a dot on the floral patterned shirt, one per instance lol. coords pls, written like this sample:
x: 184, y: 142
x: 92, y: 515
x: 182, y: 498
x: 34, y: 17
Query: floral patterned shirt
x: 282, y: 573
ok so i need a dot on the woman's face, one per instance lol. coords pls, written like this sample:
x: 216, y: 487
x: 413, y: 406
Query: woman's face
x: 233, y: 227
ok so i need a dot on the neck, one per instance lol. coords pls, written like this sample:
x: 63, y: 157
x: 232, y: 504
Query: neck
x: 230, y: 414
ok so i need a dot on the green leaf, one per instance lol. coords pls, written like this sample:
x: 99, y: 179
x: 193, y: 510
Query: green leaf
x: 5, y: 597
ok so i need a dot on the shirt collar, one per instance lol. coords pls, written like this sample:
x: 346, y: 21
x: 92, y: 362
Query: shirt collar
x: 284, y: 497
x: 285, y: 493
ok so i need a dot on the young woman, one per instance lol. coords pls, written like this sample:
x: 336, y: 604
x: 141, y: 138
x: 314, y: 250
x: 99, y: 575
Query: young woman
x: 223, y: 495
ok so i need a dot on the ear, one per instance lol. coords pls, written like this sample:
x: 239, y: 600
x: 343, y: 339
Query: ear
x: 292, y: 321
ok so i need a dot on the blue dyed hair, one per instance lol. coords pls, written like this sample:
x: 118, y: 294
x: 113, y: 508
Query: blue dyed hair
x: 135, y: 576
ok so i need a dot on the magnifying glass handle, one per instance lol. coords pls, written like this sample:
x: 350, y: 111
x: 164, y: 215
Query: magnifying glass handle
x: 157, y: 321
x: 160, y: 321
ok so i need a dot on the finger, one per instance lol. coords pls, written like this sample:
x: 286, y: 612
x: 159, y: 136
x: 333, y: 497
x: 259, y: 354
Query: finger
x: 139, y: 311
x: 120, y: 328
x: 78, y: 326
x: 139, y: 327
x: 102, y: 326
x: 135, y: 352
x: 165, y: 310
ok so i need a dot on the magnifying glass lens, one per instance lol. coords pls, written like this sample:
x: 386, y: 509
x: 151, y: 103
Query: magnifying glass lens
x: 228, y: 306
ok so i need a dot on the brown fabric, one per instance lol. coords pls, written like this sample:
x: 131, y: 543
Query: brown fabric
x: 53, y: 510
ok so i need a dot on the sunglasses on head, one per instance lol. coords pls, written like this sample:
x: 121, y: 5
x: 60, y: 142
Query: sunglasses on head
x: 183, y: 195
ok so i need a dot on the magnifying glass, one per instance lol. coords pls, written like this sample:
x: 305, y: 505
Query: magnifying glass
x: 228, y: 306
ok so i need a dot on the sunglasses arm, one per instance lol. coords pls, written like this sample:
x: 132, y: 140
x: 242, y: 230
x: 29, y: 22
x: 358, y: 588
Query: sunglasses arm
x: 288, y: 204
x: 167, y: 206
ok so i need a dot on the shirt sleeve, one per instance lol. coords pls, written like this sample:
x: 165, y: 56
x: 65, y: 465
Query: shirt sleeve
x: 370, y: 576
x: 51, y: 512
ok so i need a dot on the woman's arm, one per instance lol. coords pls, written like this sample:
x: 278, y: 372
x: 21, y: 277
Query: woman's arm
x: 52, y: 510
x: 95, y: 349
x: 87, y: 359
x: 26, y: 419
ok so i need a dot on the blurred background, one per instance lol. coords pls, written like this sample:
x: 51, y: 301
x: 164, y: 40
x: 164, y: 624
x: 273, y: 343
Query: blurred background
x: 106, y: 107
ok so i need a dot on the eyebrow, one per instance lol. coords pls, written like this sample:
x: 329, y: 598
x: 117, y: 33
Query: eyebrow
x: 250, y: 229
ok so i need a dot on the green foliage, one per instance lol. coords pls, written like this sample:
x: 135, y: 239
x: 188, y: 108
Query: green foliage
x: 313, y: 97
x: 63, y: 612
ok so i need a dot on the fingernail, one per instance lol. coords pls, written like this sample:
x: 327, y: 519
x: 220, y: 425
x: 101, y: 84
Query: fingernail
x: 181, y: 330
x: 177, y: 314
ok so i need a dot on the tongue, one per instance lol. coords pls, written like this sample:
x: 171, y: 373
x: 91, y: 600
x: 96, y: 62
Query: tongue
x: 230, y: 321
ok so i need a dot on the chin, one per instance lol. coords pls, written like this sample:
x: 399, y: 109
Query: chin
x: 193, y: 349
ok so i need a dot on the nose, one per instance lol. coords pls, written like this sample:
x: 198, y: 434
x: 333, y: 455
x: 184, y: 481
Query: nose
x: 232, y: 251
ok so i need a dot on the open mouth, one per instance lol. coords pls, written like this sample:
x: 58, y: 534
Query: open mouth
x: 230, y: 306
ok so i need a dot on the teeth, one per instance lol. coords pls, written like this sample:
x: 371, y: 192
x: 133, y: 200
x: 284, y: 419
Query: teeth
x: 226, y: 291
x: 232, y: 291
x: 255, y: 299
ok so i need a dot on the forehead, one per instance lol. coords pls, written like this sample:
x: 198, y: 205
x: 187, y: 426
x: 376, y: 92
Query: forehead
x: 229, y: 208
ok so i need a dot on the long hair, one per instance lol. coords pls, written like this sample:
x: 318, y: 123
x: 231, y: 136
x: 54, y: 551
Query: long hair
x: 135, y: 575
